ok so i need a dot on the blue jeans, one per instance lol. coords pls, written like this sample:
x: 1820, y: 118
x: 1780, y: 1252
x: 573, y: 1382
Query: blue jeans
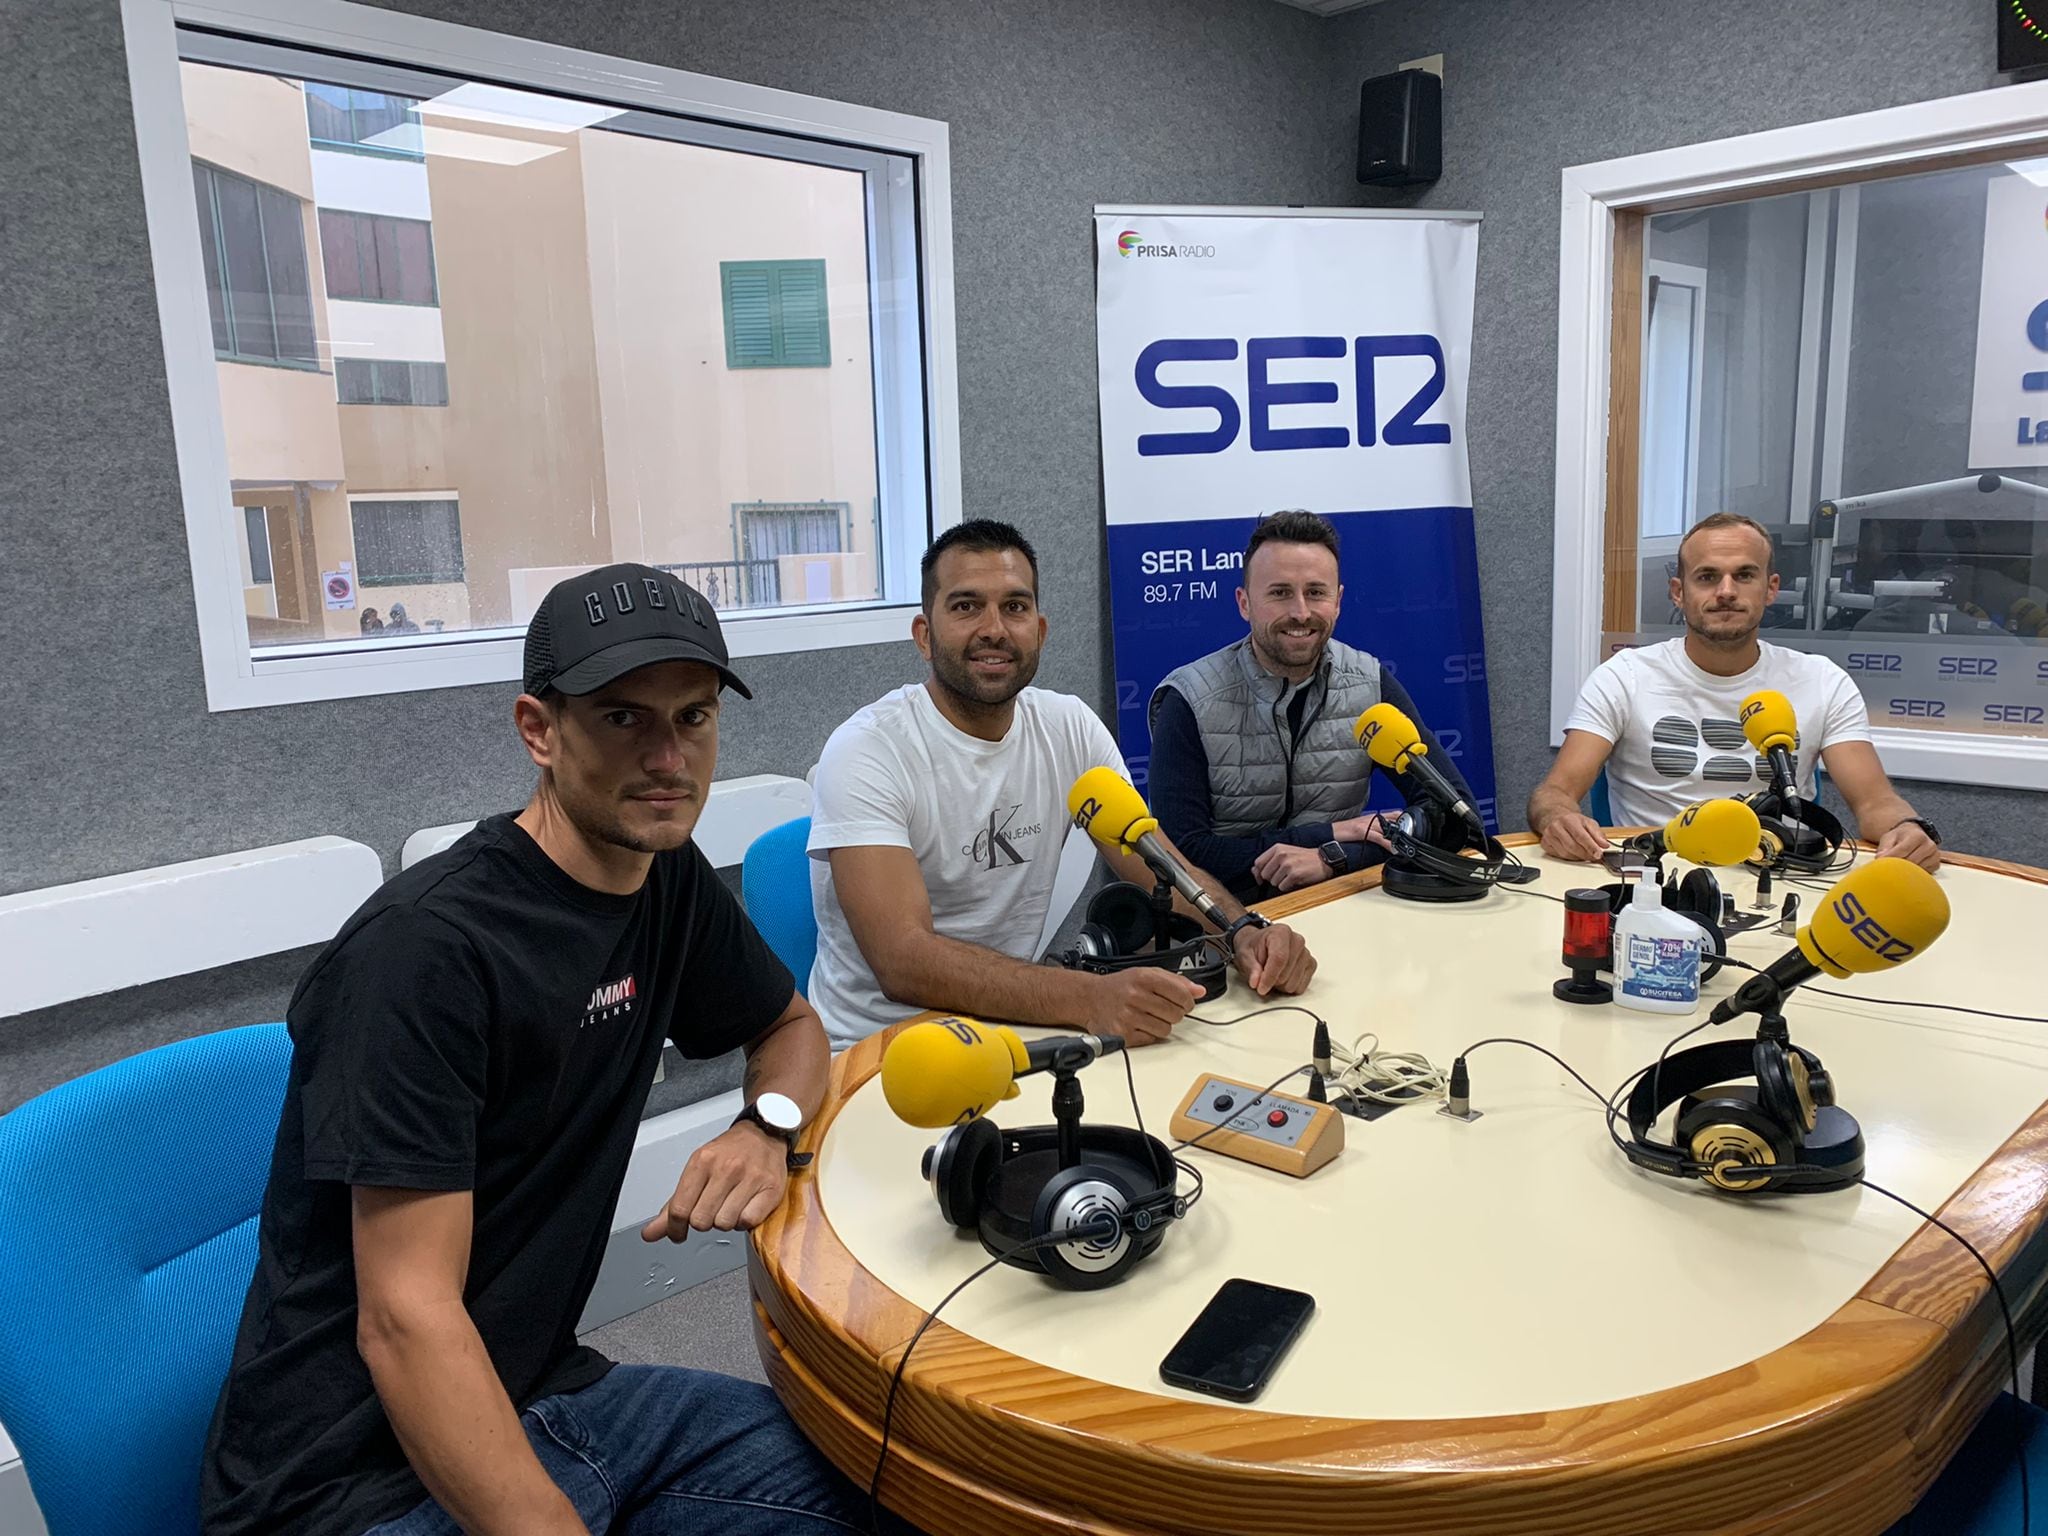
x: 656, y: 1450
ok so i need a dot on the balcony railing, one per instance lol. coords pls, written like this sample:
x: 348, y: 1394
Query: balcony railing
x: 732, y: 583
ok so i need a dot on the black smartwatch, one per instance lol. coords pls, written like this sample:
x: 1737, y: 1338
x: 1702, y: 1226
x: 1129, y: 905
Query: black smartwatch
x: 1933, y: 833
x: 1334, y: 855
x: 778, y: 1115
x: 1248, y: 920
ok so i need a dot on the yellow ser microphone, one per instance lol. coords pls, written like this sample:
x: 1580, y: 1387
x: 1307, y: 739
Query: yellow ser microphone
x: 1872, y: 919
x: 950, y: 1071
x: 1772, y: 728
x: 1714, y: 832
x: 1391, y: 740
x: 1106, y: 807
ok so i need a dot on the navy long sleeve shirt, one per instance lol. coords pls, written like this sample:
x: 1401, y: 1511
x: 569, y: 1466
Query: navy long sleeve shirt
x: 1177, y: 785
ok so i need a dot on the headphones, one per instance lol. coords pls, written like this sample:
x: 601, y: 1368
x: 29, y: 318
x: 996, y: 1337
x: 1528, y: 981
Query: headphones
x: 1809, y: 843
x: 1117, y: 936
x: 1698, y: 896
x: 1009, y: 1189
x: 1735, y: 1126
x: 1429, y: 863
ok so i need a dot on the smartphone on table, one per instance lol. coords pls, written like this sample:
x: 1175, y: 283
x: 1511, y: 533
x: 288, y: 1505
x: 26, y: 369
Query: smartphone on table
x: 1232, y: 1348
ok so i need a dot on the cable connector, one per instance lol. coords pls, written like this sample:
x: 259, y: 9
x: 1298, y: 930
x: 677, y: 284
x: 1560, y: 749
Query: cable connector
x: 1319, y: 1071
x: 1458, y: 1100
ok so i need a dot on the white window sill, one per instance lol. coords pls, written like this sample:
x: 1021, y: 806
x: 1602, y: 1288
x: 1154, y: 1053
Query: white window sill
x: 306, y: 674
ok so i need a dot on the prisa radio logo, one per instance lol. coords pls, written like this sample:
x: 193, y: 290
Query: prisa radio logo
x: 1131, y: 243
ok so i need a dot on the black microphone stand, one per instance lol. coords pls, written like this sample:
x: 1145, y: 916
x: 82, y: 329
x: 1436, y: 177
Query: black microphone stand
x: 1066, y: 1114
x: 1162, y: 914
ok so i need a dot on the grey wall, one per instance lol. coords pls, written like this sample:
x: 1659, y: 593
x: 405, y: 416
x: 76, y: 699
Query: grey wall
x: 1531, y: 88
x: 109, y: 760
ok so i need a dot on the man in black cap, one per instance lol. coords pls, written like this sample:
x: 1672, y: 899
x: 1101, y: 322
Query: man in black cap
x: 470, y: 1059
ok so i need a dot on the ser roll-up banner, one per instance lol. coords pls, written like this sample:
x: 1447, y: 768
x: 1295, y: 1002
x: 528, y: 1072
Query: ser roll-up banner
x: 1259, y: 360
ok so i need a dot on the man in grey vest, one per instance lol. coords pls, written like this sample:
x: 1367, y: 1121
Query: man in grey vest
x: 1254, y: 770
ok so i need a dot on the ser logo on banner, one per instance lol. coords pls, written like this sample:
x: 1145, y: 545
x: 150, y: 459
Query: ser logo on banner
x: 1404, y: 428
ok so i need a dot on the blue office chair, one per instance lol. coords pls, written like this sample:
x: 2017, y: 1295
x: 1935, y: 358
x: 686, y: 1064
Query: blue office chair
x: 128, y: 1207
x: 775, y: 888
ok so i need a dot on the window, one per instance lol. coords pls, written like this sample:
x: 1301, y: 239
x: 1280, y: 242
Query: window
x: 259, y: 546
x: 406, y: 543
x: 339, y: 117
x: 1840, y: 331
x: 772, y: 530
x: 775, y: 314
x: 1674, y: 355
x: 253, y: 248
x: 373, y: 381
x: 375, y: 256
x: 572, y: 262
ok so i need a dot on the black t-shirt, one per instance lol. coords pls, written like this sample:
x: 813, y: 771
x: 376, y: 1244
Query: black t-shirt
x: 484, y: 1022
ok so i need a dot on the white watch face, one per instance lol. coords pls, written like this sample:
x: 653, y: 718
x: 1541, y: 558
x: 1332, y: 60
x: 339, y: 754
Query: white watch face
x: 779, y: 1111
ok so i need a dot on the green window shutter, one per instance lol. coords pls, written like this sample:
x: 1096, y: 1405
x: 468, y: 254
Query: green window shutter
x: 775, y: 314
x: 749, y: 314
x: 800, y: 302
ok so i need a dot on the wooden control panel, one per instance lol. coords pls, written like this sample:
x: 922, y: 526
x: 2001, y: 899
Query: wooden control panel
x: 1274, y: 1130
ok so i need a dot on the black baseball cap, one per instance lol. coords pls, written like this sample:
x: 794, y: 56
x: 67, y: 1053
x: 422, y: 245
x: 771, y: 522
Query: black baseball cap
x: 603, y: 624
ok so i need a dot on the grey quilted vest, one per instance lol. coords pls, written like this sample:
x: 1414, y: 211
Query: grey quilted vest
x: 1258, y: 776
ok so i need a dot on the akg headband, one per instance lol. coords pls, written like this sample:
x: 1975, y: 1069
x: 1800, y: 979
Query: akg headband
x: 1418, y: 836
x: 1117, y: 936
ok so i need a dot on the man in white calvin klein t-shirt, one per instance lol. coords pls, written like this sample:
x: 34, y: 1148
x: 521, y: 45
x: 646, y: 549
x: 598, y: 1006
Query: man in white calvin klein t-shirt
x: 938, y: 814
x: 1662, y: 718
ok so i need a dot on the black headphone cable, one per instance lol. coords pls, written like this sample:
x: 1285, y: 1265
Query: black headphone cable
x: 1101, y: 1228
x: 2012, y: 1348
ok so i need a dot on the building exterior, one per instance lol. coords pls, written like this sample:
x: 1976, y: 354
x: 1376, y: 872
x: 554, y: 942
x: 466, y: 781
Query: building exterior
x: 467, y: 347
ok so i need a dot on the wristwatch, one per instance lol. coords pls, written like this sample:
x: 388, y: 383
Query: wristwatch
x: 1247, y: 920
x: 778, y: 1115
x: 1334, y: 855
x: 1933, y: 834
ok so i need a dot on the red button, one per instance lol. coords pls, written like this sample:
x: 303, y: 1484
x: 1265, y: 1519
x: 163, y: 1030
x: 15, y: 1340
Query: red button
x: 1277, y: 1118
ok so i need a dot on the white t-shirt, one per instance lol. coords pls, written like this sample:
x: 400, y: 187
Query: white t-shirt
x: 1676, y: 740
x: 986, y: 820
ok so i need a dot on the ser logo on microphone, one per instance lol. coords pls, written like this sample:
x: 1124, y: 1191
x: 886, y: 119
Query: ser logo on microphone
x: 1086, y: 812
x: 1868, y: 931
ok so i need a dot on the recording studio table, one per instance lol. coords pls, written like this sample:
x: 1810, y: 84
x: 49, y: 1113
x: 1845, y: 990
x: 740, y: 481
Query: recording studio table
x: 1516, y: 1329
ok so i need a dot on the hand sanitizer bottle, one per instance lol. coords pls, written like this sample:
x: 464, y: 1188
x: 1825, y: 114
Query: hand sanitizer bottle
x: 1656, y: 955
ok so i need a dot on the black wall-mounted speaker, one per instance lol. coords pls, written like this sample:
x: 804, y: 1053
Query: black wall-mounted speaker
x: 1401, y: 129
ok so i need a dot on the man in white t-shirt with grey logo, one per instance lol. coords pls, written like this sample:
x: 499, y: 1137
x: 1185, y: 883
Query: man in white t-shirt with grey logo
x: 1663, y: 719
x: 938, y: 815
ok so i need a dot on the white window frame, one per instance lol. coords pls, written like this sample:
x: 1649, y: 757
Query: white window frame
x: 236, y: 679
x: 2009, y: 119
x: 1682, y: 275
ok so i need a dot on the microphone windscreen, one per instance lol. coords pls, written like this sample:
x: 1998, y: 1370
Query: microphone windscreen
x: 1106, y: 807
x: 1768, y: 721
x: 947, y: 1071
x: 1388, y: 736
x: 1714, y: 832
x: 1876, y: 917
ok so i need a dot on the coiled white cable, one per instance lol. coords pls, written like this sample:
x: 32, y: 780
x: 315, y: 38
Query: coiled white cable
x: 1369, y: 1075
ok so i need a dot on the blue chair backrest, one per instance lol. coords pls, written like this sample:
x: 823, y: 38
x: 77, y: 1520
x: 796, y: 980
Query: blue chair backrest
x: 1597, y: 803
x: 128, y: 1207
x: 775, y: 887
